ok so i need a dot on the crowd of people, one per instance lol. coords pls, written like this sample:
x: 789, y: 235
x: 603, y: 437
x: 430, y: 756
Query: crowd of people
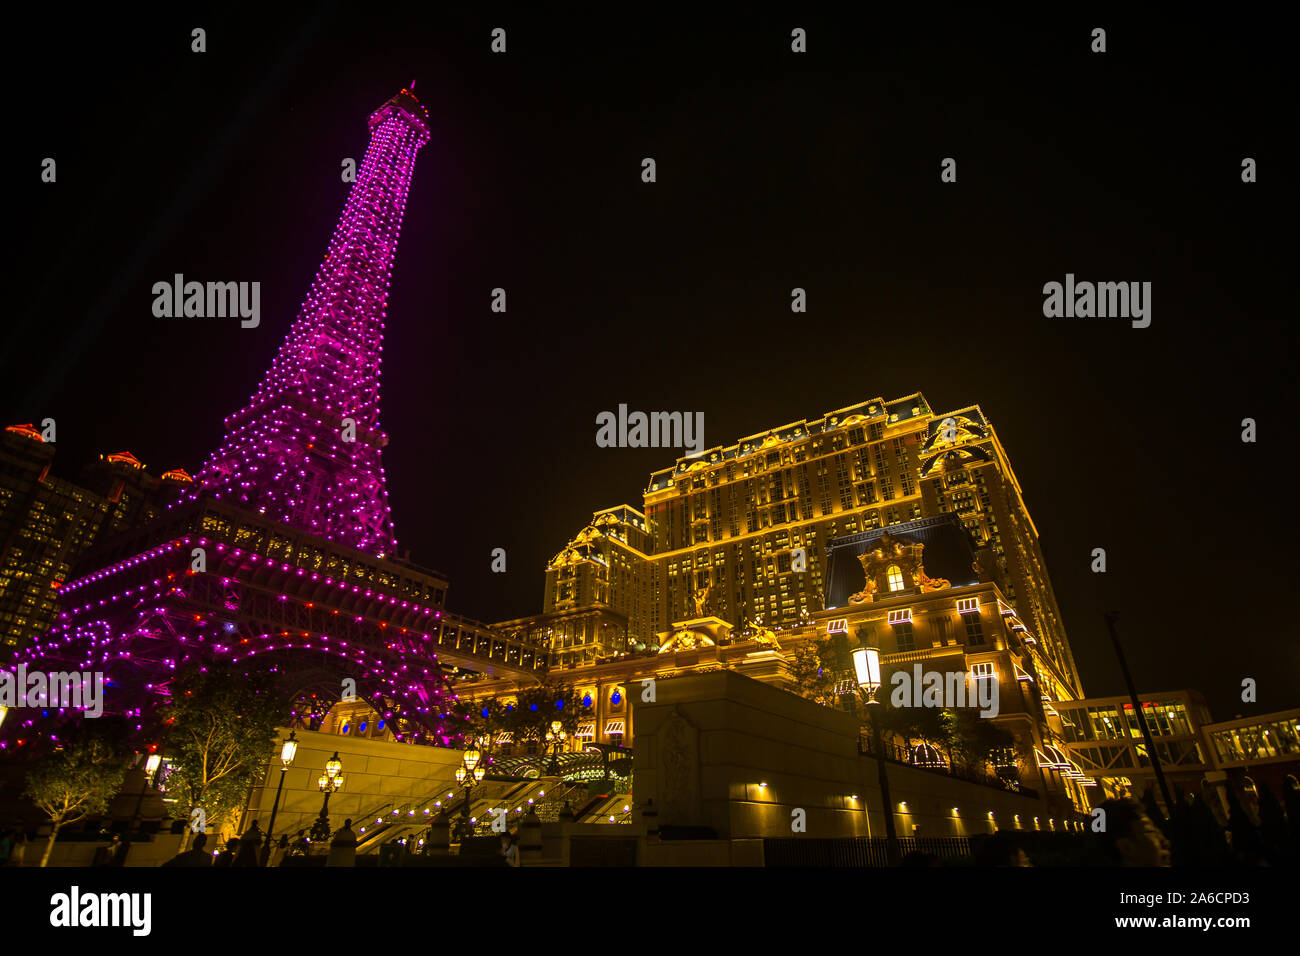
x: 1255, y: 830
x: 246, y: 850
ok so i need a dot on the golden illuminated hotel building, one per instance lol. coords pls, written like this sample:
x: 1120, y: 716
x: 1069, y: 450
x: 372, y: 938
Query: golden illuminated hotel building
x: 727, y: 522
x: 911, y: 532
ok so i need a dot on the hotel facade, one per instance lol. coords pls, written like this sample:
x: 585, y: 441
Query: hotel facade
x: 883, y: 523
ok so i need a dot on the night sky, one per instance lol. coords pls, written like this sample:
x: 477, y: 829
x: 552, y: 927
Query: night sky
x: 775, y: 170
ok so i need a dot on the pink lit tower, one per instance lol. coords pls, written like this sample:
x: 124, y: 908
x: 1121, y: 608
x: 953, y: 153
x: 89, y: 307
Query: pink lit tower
x: 281, y: 555
x: 305, y: 451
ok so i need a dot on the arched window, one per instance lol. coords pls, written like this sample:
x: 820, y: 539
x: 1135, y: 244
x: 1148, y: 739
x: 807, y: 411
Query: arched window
x: 895, y: 575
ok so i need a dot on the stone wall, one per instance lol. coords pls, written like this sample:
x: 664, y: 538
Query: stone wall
x: 375, y: 773
x: 722, y: 751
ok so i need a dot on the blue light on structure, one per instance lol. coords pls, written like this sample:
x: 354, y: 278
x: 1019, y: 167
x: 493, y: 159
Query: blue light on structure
x: 345, y: 728
x: 559, y: 705
x: 586, y: 700
x: 616, y: 697
x: 381, y: 725
x: 532, y: 706
x: 362, y: 728
x: 485, y: 711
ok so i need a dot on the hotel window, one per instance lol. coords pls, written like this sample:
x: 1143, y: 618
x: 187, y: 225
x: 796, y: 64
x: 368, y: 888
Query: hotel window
x: 903, y: 636
x: 974, y: 629
x: 900, y: 616
x: 982, y: 670
x: 895, y: 575
x: 967, y: 605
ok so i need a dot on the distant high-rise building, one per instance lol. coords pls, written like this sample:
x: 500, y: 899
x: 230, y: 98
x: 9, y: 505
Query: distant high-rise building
x: 47, y: 523
x: 597, y: 591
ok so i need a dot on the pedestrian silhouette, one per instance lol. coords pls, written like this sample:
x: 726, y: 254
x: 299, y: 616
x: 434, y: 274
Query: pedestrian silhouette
x: 249, y: 844
x: 280, y: 851
x: 196, y: 855
x: 509, y: 851
x: 1131, y: 838
x: 1291, y: 804
x: 18, y: 848
x: 111, y: 854
x: 343, y: 847
x: 227, y: 856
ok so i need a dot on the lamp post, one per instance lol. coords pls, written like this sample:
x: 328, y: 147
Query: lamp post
x: 1152, y: 755
x: 470, y: 772
x: 331, y: 781
x: 866, y: 662
x: 555, y: 738
x: 151, y: 765
x: 287, y: 751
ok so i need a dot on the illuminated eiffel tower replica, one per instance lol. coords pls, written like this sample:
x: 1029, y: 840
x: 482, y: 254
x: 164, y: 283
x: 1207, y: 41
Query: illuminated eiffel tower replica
x: 281, y: 555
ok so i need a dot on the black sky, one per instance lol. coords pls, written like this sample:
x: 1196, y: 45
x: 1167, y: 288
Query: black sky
x: 775, y: 170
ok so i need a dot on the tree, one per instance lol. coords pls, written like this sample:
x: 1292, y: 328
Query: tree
x: 974, y: 738
x: 80, y: 778
x: 220, y: 733
x: 482, y: 721
x: 535, y: 708
x: 813, y: 669
x: 529, y: 715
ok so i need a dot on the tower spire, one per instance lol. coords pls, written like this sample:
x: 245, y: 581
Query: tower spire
x: 305, y: 450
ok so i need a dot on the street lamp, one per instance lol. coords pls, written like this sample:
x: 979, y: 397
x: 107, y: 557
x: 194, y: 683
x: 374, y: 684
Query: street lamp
x: 866, y: 662
x: 331, y: 781
x: 151, y: 765
x: 469, y: 773
x: 287, y: 752
x: 555, y: 738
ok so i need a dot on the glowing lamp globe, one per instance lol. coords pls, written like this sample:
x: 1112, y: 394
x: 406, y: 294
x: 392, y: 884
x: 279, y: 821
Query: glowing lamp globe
x: 866, y: 662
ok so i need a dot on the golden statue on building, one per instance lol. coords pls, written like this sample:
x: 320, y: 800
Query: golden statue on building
x: 764, y: 635
x: 701, y: 599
